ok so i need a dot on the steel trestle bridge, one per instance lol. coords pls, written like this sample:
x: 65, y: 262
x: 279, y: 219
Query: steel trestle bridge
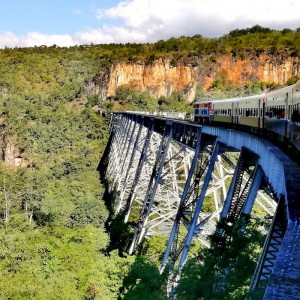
x: 186, y: 181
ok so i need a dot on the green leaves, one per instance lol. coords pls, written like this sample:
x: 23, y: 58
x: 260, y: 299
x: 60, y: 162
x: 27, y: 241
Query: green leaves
x: 144, y: 282
x: 59, y: 263
x: 224, y: 273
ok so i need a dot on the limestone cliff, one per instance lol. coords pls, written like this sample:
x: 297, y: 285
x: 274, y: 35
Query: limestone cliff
x: 163, y: 76
x: 159, y: 78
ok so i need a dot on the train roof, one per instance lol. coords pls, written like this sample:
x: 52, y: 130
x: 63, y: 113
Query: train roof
x: 286, y: 89
x: 232, y: 99
x: 263, y: 95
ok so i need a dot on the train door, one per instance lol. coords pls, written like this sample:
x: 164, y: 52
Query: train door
x: 237, y: 112
x: 210, y: 112
x: 286, y: 108
x: 263, y: 114
x: 259, y: 113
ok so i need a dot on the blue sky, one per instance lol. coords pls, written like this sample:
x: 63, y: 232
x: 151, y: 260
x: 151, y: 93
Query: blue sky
x: 71, y: 22
x: 51, y: 16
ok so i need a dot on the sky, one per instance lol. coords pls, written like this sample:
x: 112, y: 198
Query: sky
x: 27, y: 23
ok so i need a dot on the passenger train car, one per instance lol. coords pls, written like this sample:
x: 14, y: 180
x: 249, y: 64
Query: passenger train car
x: 276, y: 112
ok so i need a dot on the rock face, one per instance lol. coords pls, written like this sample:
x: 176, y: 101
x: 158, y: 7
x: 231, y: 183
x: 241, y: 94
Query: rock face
x: 163, y: 76
x: 12, y: 155
x: 159, y: 78
x: 265, y: 68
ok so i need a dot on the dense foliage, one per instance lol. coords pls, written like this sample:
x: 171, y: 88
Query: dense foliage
x: 129, y: 98
x: 54, y: 243
x: 249, y: 42
x: 224, y: 273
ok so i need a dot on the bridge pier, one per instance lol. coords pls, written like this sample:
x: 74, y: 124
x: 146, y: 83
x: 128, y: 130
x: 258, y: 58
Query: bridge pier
x: 126, y: 179
x: 152, y: 187
x: 142, y: 160
x: 239, y: 195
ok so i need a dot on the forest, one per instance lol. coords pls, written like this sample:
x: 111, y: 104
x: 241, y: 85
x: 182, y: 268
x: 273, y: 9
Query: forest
x: 59, y: 237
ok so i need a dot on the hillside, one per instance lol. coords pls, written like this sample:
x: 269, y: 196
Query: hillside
x: 52, y: 138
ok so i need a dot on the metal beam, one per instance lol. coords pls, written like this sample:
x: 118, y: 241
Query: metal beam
x: 151, y: 190
x: 193, y: 223
x: 139, y: 169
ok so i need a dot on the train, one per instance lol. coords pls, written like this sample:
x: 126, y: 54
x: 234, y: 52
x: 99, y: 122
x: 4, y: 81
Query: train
x: 274, y: 114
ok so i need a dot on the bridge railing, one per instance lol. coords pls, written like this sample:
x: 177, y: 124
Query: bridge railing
x: 166, y: 114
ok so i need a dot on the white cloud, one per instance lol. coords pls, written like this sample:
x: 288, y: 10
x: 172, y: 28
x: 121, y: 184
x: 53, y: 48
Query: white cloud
x: 110, y: 34
x: 32, y: 39
x: 152, y: 20
x: 207, y: 17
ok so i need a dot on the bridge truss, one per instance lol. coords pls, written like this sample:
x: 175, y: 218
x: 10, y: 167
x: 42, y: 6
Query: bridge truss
x: 186, y: 181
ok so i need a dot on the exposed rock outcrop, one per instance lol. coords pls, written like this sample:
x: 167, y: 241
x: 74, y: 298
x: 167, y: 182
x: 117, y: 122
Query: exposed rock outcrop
x: 159, y: 78
x: 163, y: 76
x: 13, y: 155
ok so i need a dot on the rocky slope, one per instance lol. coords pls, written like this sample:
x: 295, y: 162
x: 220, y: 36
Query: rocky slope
x: 163, y: 76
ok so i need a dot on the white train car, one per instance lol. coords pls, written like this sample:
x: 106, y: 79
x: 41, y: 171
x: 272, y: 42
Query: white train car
x: 274, y: 112
x: 249, y: 111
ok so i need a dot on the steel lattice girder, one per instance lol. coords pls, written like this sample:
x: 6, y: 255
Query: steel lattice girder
x: 187, y: 213
x: 274, y: 164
